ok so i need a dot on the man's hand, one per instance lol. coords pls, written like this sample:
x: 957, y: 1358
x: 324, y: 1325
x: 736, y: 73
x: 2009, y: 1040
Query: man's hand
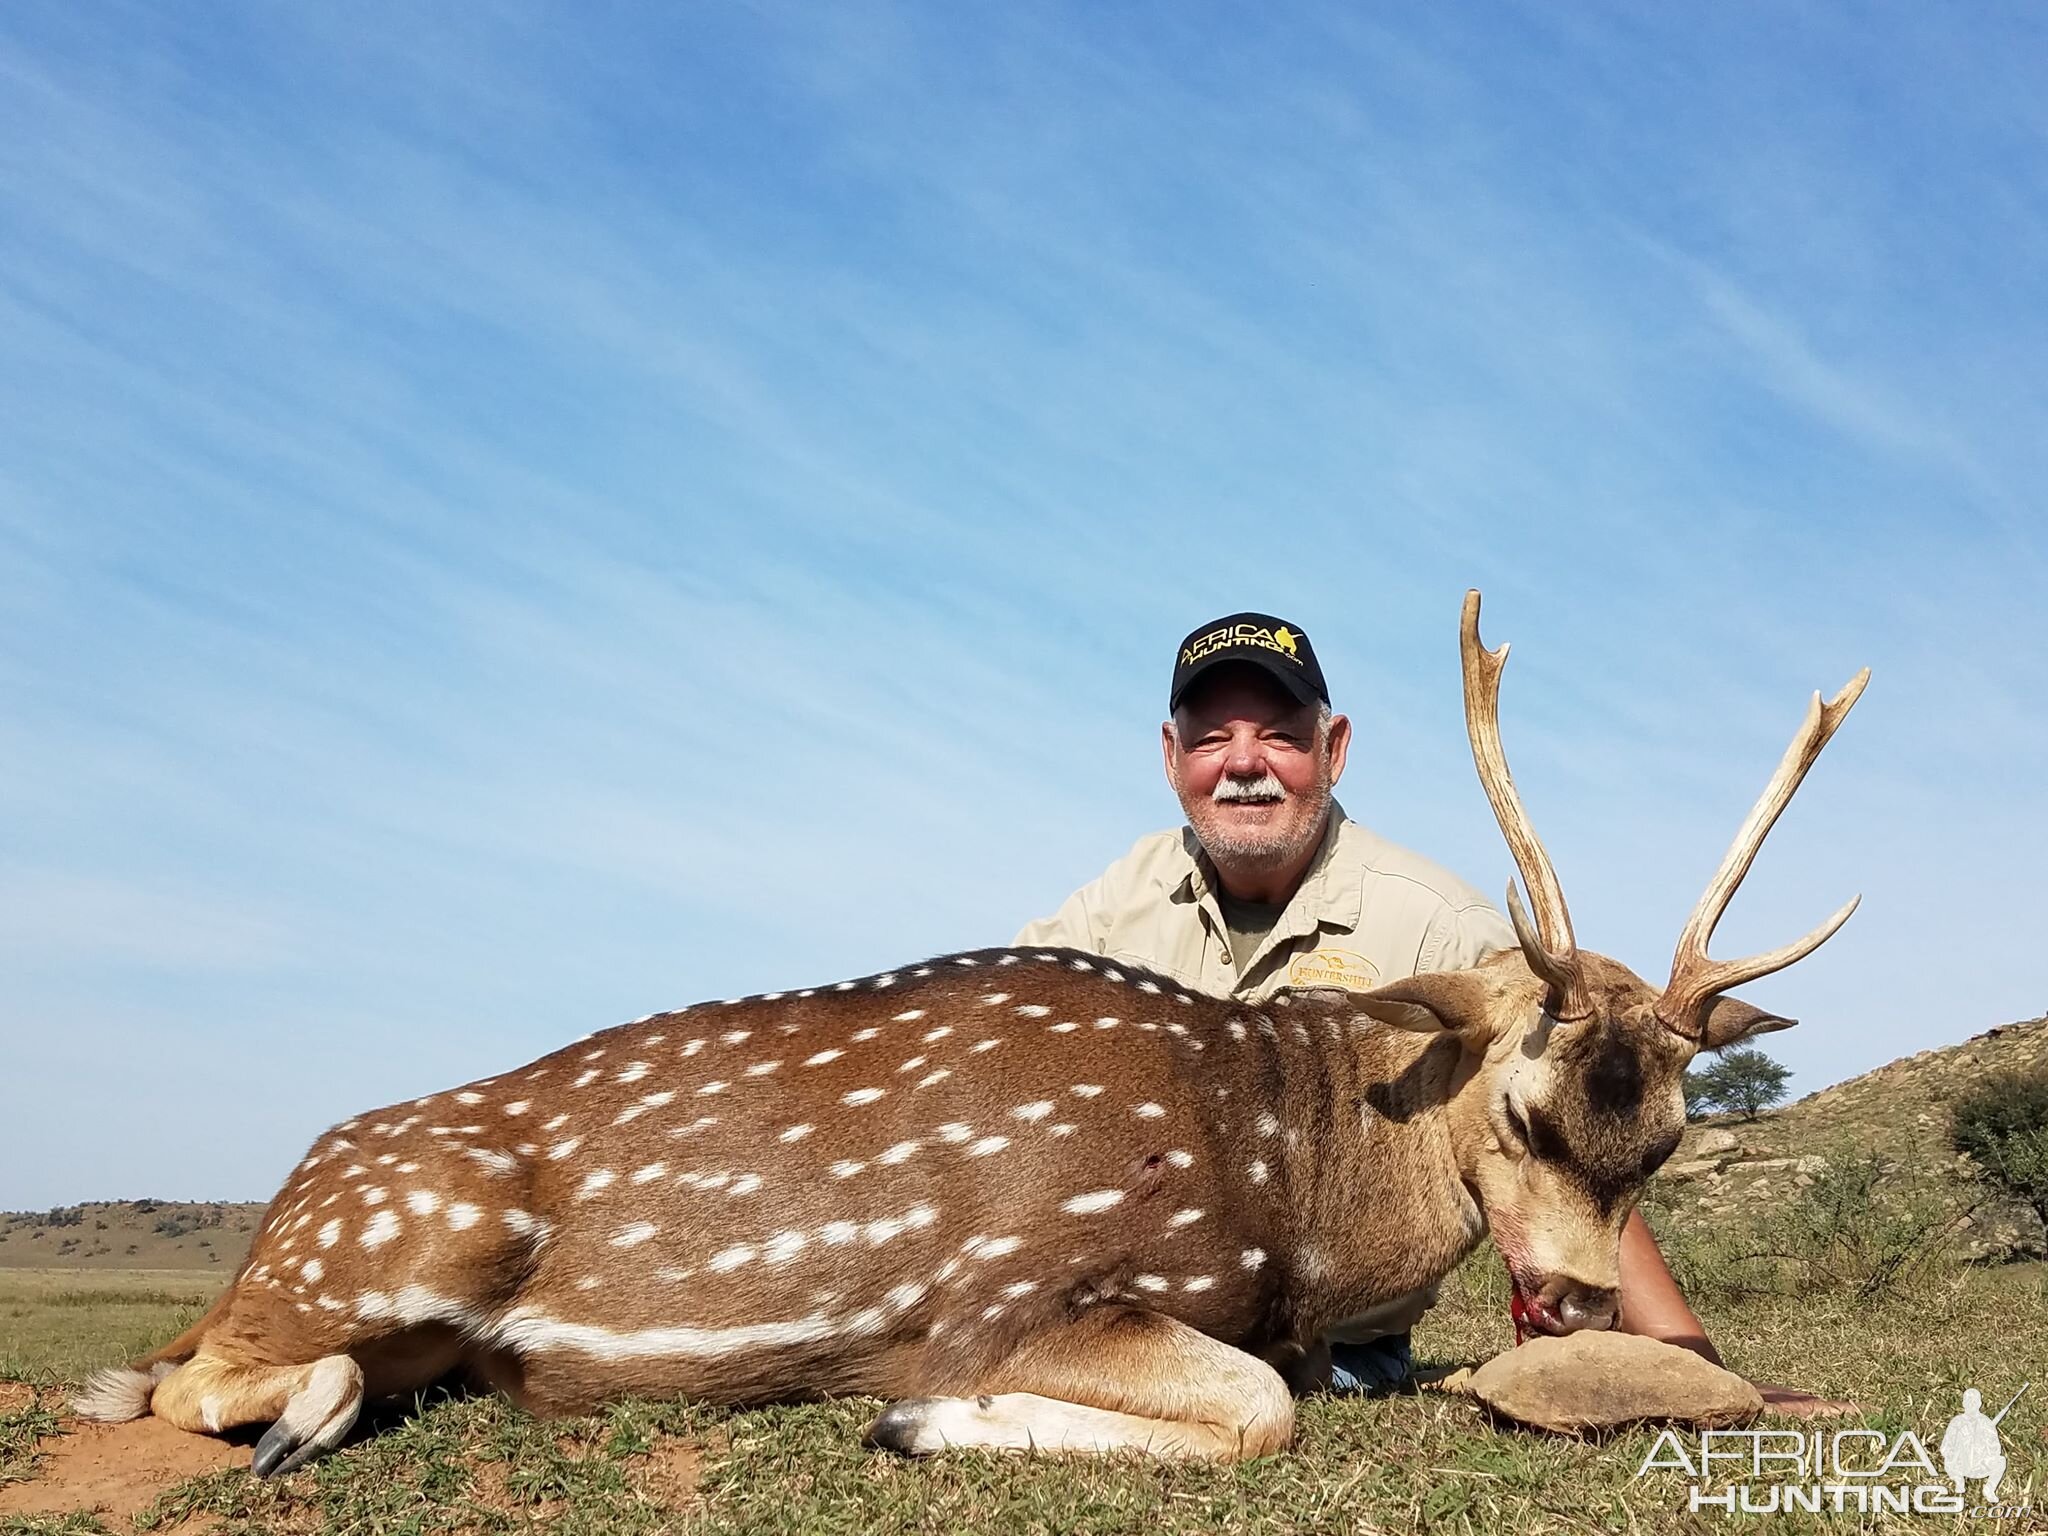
x: 1794, y: 1404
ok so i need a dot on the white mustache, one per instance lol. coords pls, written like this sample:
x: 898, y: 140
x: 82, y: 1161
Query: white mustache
x: 1265, y: 787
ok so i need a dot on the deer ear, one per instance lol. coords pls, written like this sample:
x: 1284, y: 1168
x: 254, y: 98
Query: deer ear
x: 1730, y: 1019
x: 1463, y: 1001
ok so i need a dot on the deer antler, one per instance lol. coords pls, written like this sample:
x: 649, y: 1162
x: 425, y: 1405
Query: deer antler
x: 1696, y: 979
x: 1547, y: 944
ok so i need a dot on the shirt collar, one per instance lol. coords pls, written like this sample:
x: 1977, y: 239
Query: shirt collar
x: 1331, y: 893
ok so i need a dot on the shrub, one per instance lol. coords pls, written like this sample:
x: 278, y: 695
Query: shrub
x: 2003, y: 1126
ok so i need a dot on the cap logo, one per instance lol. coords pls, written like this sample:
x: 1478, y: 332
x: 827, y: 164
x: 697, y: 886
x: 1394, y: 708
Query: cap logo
x: 1280, y: 641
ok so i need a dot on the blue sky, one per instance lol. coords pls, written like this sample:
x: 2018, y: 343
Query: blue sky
x: 512, y: 517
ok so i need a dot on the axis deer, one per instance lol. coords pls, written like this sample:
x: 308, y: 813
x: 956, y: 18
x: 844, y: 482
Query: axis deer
x: 1040, y: 1200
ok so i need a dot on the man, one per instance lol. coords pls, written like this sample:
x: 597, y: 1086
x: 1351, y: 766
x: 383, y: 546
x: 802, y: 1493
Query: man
x: 1271, y: 885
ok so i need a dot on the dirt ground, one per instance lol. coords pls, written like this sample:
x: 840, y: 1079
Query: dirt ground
x: 113, y: 1470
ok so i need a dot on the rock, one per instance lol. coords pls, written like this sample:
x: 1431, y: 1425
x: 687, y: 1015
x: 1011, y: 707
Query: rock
x: 1716, y: 1143
x: 1693, y: 1170
x: 1604, y: 1380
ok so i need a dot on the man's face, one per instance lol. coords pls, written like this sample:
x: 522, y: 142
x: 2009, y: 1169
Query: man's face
x: 1251, y: 769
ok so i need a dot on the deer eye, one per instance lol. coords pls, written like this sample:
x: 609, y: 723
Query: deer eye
x: 1516, y: 1123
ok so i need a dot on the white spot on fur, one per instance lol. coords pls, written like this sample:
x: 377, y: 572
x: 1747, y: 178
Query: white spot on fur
x: 467, y: 1097
x: 796, y: 1133
x: 1064, y: 1128
x: 783, y: 1247
x: 380, y: 1229
x: 901, y: 1152
x: 859, y: 1096
x: 330, y: 1234
x: 1252, y: 1258
x: 518, y: 1106
x: 716, y: 1085
x: 745, y: 1184
x: 1064, y: 1028
x: 1093, y: 1201
x: 1258, y: 1172
x: 593, y: 1182
x: 372, y: 1195
x: 1180, y: 1159
x: 846, y: 1168
x: 913, y: 1064
x: 908, y: 1015
x: 1184, y: 1218
x: 1149, y: 1282
x: 1148, y: 1111
x: 955, y: 1132
x: 763, y: 1068
x: 633, y: 1072
x: 423, y: 1202
x: 935, y: 1077
x: 986, y: 1045
x: 556, y: 1124
x: 937, y: 1034
x: 650, y: 1173
x: 1268, y: 1126
x: 462, y: 1216
x: 988, y: 1144
x: 822, y: 1057
x: 313, y: 1270
x: 1085, y: 1090
x: 634, y: 1235
x: 737, y: 1036
x: 994, y: 998
x: 1035, y: 1111
x: 1033, y: 1010
x: 562, y: 1149
x: 586, y: 1077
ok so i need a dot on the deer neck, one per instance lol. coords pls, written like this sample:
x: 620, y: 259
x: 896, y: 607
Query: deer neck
x: 1384, y: 1209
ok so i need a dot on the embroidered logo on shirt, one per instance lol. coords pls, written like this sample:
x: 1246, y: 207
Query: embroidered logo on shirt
x: 1333, y: 968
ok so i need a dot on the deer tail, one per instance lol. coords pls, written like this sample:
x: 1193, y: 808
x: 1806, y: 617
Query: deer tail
x: 122, y: 1392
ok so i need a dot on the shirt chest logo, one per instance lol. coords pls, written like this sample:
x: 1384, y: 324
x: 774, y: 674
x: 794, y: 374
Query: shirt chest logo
x: 1344, y: 968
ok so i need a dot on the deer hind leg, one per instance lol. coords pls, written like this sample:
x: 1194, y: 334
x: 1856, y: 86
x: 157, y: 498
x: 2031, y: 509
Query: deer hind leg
x: 1117, y: 1379
x: 313, y: 1406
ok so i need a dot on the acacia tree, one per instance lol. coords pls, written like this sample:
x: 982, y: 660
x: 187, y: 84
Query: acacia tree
x: 1744, y: 1080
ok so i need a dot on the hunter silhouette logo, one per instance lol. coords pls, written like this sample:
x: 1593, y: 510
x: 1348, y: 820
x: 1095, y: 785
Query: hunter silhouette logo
x: 1281, y: 642
x: 1970, y: 1447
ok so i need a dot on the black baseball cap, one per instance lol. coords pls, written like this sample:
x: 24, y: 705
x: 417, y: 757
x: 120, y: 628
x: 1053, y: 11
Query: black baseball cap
x: 1272, y: 645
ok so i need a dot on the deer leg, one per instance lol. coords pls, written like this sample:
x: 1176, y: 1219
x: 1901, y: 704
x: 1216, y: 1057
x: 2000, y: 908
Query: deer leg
x: 1117, y: 1379
x: 313, y: 1405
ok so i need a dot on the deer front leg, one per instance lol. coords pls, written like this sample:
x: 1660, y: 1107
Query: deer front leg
x: 1116, y: 1379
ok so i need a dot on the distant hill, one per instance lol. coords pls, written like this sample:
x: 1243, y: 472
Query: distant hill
x: 1899, y: 1112
x: 129, y: 1234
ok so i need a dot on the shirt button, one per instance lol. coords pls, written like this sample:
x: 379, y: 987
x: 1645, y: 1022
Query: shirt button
x: 1226, y: 956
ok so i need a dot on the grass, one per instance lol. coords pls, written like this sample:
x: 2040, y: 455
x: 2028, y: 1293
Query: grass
x: 57, y: 1325
x: 1410, y: 1463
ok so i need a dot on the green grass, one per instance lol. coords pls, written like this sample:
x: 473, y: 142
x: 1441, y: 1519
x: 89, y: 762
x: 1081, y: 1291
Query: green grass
x: 1411, y: 1463
x: 58, y: 1325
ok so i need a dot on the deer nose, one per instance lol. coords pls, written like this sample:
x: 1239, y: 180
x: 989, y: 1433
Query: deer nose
x: 1594, y: 1308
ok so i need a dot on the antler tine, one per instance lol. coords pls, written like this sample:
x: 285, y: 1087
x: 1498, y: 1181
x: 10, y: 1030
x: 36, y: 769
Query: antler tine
x: 1548, y: 944
x: 1695, y: 978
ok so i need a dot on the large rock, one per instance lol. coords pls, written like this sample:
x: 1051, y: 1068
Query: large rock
x: 1604, y: 1380
x: 1715, y: 1143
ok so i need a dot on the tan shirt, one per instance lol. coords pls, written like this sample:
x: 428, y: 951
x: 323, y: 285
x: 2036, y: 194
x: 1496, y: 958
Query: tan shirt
x: 1367, y: 912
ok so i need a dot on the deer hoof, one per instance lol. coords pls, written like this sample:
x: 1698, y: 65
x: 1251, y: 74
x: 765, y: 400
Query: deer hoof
x: 280, y: 1451
x: 906, y: 1428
